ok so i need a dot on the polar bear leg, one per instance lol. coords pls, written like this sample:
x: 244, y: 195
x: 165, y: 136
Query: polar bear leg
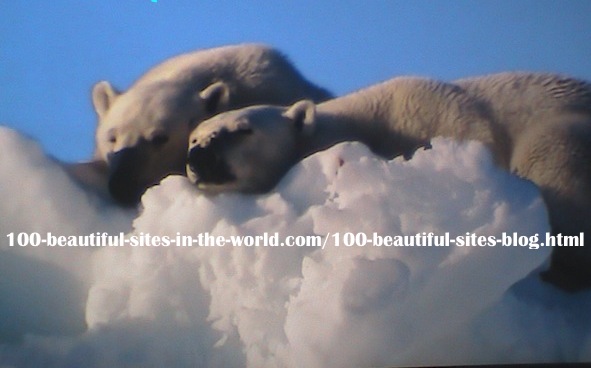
x: 557, y: 158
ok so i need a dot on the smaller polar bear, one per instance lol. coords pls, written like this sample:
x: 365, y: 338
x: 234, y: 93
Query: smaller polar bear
x: 142, y: 133
x: 537, y: 126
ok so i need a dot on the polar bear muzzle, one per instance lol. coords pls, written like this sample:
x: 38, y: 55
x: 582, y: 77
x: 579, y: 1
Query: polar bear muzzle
x: 208, y: 163
x: 125, y: 167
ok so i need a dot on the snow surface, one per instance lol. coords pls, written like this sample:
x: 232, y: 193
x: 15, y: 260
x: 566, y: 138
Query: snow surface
x: 301, y: 306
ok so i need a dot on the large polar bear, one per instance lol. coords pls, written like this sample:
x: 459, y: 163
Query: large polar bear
x: 537, y: 126
x: 142, y: 133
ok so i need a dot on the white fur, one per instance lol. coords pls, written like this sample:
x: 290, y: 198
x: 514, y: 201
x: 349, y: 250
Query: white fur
x: 142, y: 133
x: 537, y: 125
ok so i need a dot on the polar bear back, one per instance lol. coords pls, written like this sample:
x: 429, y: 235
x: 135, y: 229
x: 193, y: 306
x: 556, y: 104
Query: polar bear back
x: 249, y: 66
x: 531, y: 97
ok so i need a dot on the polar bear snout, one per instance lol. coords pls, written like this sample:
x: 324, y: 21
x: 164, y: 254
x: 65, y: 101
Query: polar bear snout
x: 207, y: 161
x: 124, y: 185
x: 207, y: 165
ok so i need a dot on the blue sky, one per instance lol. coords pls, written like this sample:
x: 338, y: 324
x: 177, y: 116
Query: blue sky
x: 52, y: 52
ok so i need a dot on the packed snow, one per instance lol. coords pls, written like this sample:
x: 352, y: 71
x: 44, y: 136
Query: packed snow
x: 300, y: 306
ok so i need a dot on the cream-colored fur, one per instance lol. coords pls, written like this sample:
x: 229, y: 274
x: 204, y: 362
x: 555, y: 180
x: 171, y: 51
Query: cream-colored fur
x: 142, y: 133
x: 537, y: 126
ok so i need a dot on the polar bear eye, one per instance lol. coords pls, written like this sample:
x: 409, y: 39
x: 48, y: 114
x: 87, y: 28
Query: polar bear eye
x: 159, y: 140
x: 112, y: 139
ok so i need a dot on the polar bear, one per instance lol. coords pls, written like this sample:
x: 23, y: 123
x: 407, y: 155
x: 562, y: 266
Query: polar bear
x: 142, y: 133
x: 537, y: 126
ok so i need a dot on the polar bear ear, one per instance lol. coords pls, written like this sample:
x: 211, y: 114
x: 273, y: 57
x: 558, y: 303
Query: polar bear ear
x: 303, y: 116
x: 103, y: 96
x: 216, y: 97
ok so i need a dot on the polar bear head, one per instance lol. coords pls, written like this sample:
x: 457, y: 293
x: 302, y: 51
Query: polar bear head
x: 142, y: 134
x: 249, y: 150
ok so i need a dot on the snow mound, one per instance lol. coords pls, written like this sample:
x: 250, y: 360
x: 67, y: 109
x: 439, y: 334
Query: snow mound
x: 317, y: 305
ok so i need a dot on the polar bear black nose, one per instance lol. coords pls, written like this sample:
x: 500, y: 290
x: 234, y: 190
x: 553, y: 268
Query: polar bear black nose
x: 195, y: 157
x: 124, y: 169
x: 208, y: 164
